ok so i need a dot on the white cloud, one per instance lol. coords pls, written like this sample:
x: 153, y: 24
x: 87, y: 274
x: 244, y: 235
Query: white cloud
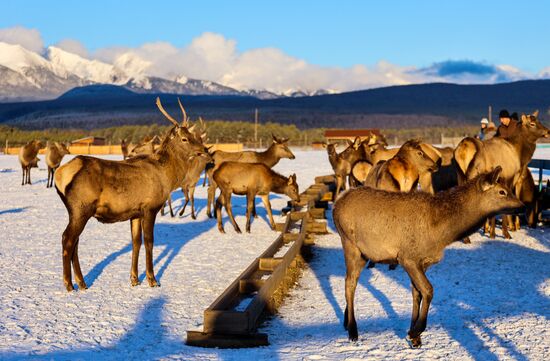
x: 28, y: 38
x: 213, y: 57
x: 73, y: 46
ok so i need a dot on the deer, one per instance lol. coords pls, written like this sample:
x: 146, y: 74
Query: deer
x: 28, y: 159
x: 402, y: 172
x: 412, y: 230
x: 54, y: 155
x: 195, y: 167
x: 473, y: 156
x: 116, y: 191
x: 250, y: 179
x: 270, y: 157
x: 342, y: 163
x: 124, y: 148
x: 147, y: 146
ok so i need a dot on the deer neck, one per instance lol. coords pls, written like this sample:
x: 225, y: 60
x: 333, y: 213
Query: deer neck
x: 524, y: 144
x: 268, y: 157
x: 173, y: 163
x: 459, y: 214
x: 279, y: 184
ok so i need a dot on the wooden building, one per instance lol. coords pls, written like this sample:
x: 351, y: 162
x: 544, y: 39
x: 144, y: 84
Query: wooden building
x: 88, y: 141
x: 336, y: 135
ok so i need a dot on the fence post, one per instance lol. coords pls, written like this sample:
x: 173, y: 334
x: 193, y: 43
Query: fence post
x: 7, y: 147
x: 89, y: 148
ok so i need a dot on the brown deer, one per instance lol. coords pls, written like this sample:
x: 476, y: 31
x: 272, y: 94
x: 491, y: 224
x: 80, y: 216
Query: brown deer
x: 473, y: 156
x: 412, y: 230
x: 402, y: 172
x: 250, y: 179
x: 124, y: 148
x: 115, y: 191
x: 342, y: 163
x: 147, y: 146
x: 270, y: 157
x: 54, y: 155
x: 28, y: 159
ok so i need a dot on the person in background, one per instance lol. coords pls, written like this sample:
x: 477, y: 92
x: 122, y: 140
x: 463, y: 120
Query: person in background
x: 508, y: 126
x: 484, y: 123
x: 490, y: 131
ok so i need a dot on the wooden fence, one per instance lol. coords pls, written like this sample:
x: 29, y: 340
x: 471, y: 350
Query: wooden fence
x: 115, y: 149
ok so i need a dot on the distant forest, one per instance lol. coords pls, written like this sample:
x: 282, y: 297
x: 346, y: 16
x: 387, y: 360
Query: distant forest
x: 221, y: 132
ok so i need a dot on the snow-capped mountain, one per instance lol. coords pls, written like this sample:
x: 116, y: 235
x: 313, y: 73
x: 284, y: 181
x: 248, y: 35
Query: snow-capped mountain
x: 27, y: 75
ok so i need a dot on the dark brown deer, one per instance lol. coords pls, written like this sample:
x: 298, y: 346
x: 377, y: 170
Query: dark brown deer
x: 115, y: 191
x: 384, y: 227
x: 54, y: 155
x: 473, y: 156
x: 270, y: 157
x: 28, y: 159
x: 250, y: 179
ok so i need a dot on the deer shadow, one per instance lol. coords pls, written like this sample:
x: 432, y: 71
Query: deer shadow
x: 461, y: 304
x: 172, y: 237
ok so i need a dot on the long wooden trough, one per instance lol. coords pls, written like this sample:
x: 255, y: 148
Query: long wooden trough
x: 232, y: 320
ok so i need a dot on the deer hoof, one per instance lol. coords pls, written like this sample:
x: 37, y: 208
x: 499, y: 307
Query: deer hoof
x: 134, y: 281
x: 209, y: 214
x: 415, y: 342
x: 238, y: 230
x: 466, y: 240
x: 82, y: 285
x: 193, y: 216
x: 69, y: 287
x: 153, y: 282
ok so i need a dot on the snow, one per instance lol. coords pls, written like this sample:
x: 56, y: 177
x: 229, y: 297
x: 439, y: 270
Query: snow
x: 492, y: 297
x: 92, y: 70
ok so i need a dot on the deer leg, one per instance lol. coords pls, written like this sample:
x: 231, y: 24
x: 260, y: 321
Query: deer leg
x: 77, y: 271
x: 29, y: 175
x: 68, y: 242
x: 505, y: 232
x: 417, y: 298
x: 486, y: 226
x: 354, y: 265
x: 229, y: 209
x: 185, y: 192
x: 135, y: 227
x: 211, y: 192
x: 492, y: 233
x: 192, y: 198
x: 148, y: 225
x: 423, y: 285
x: 249, y: 207
x: 254, y: 214
x: 267, y: 204
x: 170, y: 205
x: 48, y: 181
x: 23, y: 175
x: 218, y: 210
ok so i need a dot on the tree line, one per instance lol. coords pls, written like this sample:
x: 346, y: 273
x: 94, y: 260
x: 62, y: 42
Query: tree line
x: 222, y: 132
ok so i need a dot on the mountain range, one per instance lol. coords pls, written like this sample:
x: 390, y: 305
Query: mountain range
x: 27, y: 75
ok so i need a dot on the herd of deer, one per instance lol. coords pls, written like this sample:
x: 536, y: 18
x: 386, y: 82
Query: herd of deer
x: 139, y: 186
x: 388, y: 221
x: 382, y: 218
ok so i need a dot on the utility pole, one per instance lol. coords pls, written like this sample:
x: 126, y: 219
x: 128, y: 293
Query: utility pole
x: 256, y: 128
x: 490, y: 113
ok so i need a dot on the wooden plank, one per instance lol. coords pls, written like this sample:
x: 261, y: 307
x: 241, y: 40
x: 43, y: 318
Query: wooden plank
x: 227, y: 322
x: 269, y: 263
x: 201, y: 339
x: 247, y: 287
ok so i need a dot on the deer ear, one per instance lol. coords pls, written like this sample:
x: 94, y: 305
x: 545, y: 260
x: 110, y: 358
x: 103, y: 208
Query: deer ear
x: 495, y: 174
x: 536, y: 113
x: 274, y: 138
x: 524, y: 119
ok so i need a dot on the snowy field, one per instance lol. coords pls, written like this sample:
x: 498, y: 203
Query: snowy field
x: 492, y: 297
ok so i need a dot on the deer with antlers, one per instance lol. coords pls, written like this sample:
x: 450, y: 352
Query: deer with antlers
x: 114, y: 191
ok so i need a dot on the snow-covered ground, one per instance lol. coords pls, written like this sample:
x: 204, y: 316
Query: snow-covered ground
x: 492, y: 297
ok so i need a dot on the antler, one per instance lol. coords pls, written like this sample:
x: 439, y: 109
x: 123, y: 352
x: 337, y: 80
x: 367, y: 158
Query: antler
x: 161, y: 108
x: 185, y: 121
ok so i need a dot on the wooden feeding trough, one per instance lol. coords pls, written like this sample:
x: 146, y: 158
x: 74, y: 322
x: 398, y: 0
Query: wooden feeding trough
x: 232, y: 320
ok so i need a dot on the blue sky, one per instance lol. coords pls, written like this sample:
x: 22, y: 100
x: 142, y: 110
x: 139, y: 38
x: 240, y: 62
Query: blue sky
x: 328, y: 34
